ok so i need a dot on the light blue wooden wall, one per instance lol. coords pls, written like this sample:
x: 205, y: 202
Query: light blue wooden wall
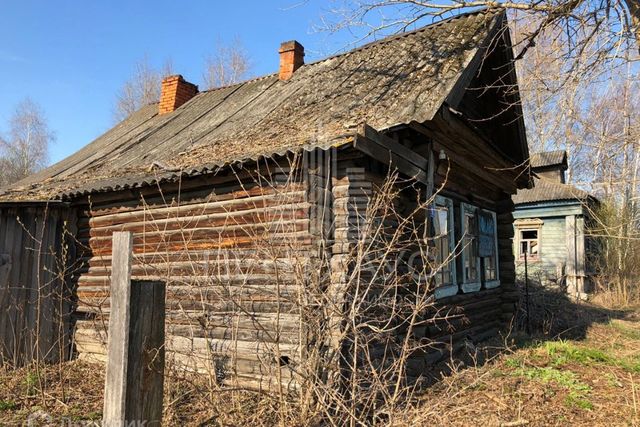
x: 553, y: 251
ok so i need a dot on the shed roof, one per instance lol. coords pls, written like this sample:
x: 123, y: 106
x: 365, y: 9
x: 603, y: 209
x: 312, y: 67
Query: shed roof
x: 545, y: 190
x: 394, y: 81
x: 548, y: 159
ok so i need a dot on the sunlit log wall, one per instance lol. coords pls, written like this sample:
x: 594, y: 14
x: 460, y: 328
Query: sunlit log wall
x: 238, y: 252
x: 232, y: 250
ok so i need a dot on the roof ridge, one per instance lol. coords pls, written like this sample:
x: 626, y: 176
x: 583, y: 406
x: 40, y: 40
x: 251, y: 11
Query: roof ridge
x: 365, y: 46
x: 394, y: 37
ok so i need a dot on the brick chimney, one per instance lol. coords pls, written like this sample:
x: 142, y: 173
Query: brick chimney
x: 175, y: 92
x: 291, y: 58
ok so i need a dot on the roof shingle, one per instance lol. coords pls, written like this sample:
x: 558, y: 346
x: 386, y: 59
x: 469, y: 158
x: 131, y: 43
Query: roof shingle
x: 394, y: 81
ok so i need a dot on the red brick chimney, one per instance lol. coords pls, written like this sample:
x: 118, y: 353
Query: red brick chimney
x: 175, y: 92
x: 291, y: 58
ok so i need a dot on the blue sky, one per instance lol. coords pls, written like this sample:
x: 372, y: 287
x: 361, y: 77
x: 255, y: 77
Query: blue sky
x: 71, y: 57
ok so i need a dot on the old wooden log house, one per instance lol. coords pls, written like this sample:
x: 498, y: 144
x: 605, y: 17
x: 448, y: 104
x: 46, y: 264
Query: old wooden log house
x: 205, y: 179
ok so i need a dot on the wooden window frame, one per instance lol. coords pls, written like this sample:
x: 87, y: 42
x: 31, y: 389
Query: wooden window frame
x: 449, y: 289
x: 491, y: 284
x: 528, y: 225
x: 468, y: 286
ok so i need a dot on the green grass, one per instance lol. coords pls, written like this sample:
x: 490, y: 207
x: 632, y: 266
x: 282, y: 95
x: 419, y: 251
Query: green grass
x: 625, y: 331
x: 7, y: 405
x: 563, y: 352
x: 577, y: 390
x: 548, y: 362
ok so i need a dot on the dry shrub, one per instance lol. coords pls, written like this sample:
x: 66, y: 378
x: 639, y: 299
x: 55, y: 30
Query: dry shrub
x: 353, y: 302
x: 615, y: 233
x: 359, y: 295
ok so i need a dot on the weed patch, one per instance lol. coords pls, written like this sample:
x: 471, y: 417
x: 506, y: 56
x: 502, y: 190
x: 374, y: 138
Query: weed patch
x: 7, y: 405
x: 625, y: 331
x: 577, y: 390
x: 31, y: 382
x: 563, y: 353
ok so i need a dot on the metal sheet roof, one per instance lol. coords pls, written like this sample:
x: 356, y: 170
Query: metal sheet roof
x: 548, y: 158
x: 545, y: 190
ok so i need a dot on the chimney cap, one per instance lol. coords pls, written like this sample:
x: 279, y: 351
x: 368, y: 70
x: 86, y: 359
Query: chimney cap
x: 177, y: 77
x: 291, y: 45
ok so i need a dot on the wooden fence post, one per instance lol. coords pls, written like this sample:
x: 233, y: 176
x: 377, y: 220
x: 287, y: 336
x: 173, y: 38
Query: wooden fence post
x: 135, y: 351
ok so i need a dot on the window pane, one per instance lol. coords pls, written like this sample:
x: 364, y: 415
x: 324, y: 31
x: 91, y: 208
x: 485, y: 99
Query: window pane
x: 490, y: 272
x: 530, y: 234
x: 471, y: 273
x: 443, y: 222
x: 439, y: 235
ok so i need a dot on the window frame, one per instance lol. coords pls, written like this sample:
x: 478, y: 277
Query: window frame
x: 449, y: 289
x: 533, y: 224
x: 491, y: 284
x: 466, y: 285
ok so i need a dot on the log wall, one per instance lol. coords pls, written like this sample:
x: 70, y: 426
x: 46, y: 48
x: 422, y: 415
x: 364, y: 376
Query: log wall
x: 233, y: 252
x: 465, y: 177
x: 240, y: 255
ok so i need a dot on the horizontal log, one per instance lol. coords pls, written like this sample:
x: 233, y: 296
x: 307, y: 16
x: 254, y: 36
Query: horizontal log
x: 274, y: 242
x: 258, y: 230
x: 231, y: 254
x: 229, y: 205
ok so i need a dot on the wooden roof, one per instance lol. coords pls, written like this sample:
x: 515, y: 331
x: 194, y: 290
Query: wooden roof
x: 394, y: 81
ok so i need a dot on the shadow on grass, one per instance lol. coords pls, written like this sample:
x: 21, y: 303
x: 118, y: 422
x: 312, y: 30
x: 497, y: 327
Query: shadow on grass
x: 547, y: 314
x: 550, y: 313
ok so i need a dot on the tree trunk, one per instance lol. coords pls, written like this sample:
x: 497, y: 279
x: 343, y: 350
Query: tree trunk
x: 634, y: 10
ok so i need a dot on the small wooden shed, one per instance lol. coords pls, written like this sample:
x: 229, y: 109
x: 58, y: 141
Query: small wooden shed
x: 550, y: 227
x: 35, y: 301
x: 255, y: 204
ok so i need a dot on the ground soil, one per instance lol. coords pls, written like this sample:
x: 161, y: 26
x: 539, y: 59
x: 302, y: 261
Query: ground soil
x: 589, y: 374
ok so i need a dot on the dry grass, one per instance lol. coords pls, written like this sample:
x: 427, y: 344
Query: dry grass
x: 593, y: 380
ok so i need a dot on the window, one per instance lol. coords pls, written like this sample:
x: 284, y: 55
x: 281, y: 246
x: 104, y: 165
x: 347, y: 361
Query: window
x: 479, y: 249
x: 529, y: 244
x: 470, y: 259
x: 488, y: 248
x: 443, y: 243
x: 528, y: 238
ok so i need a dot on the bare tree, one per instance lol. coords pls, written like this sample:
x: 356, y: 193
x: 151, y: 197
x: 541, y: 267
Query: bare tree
x: 616, y: 23
x: 26, y: 150
x: 143, y: 88
x: 229, y: 64
x: 592, y: 113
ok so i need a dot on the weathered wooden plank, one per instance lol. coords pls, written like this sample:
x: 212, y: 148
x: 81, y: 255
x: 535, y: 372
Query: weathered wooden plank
x: 115, y: 393
x: 387, y: 156
x: 145, y: 366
